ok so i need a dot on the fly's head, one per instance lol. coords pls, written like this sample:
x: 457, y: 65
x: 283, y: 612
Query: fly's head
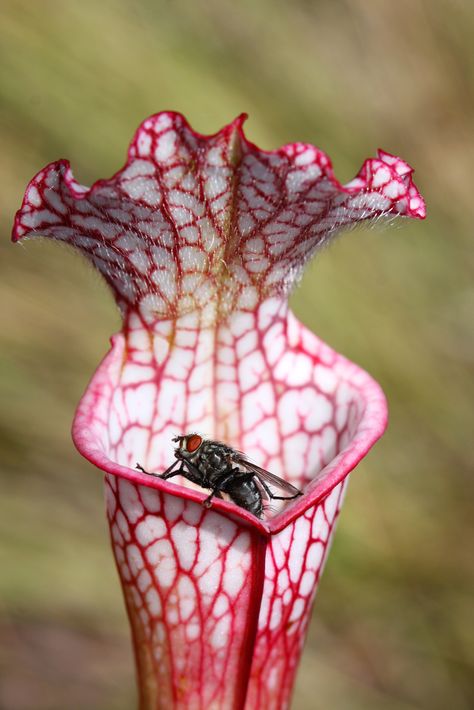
x: 188, y: 447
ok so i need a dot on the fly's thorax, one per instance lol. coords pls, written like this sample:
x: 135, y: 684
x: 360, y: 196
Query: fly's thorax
x: 214, y: 461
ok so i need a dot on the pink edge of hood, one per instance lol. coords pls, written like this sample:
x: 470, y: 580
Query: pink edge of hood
x: 370, y: 428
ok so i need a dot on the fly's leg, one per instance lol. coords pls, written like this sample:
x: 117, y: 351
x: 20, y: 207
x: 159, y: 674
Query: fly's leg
x: 274, y: 497
x: 207, y: 503
x: 169, y: 473
x: 140, y: 468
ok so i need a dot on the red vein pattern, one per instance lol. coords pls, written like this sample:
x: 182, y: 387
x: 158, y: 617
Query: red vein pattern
x: 201, y: 239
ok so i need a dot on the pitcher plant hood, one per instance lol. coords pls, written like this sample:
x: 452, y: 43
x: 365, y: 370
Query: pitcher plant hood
x: 201, y: 239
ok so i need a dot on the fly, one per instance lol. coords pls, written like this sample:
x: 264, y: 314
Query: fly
x: 221, y: 469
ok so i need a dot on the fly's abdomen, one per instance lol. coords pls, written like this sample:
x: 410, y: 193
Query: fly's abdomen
x: 247, y: 495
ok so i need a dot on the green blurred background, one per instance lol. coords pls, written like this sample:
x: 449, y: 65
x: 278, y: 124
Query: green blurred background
x: 393, y: 621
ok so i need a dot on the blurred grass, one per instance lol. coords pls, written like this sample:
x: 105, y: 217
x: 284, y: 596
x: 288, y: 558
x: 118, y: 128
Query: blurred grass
x: 394, y: 619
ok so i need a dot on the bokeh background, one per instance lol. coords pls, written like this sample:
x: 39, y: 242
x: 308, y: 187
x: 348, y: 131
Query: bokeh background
x: 393, y: 622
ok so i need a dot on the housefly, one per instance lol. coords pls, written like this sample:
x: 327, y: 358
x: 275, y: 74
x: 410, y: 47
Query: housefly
x: 221, y: 469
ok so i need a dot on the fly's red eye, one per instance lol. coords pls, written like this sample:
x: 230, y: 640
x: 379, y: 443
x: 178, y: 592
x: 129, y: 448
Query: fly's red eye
x: 193, y: 443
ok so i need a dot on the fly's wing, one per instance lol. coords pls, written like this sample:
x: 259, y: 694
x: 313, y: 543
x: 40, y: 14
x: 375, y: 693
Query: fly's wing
x: 267, y: 476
